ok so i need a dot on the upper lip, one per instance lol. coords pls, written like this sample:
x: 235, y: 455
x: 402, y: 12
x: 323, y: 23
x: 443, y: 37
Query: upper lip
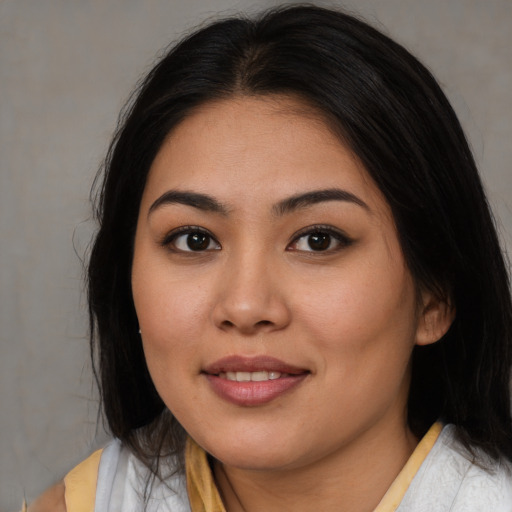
x: 251, y: 364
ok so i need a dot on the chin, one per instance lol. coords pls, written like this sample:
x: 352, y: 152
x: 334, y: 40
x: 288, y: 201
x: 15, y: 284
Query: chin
x: 262, y: 453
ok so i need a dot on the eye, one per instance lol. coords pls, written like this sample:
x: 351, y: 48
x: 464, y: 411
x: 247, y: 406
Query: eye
x: 319, y: 239
x: 191, y: 239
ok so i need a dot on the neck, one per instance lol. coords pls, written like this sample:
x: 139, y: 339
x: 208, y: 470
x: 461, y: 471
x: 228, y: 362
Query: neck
x: 355, y: 477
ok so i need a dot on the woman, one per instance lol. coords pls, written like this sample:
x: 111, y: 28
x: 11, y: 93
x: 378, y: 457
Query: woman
x: 297, y: 295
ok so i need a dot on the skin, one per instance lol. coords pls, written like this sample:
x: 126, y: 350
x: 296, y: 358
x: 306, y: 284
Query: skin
x: 348, y: 315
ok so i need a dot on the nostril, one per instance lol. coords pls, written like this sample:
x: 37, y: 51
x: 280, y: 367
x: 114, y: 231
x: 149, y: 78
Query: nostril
x: 228, y: 324
x: 264, y: 322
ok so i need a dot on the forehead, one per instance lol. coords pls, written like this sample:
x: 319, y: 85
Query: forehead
x: 257, y: 148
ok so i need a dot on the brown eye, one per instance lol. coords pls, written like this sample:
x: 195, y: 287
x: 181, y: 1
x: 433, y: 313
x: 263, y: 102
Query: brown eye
x: 191, y: 240
x: 319, y: 241
x: 198, y: 241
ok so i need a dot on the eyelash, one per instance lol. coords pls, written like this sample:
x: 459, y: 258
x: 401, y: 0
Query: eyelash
x: 341, y: 239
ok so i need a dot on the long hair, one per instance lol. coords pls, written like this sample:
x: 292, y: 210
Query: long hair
x: 389, y: 110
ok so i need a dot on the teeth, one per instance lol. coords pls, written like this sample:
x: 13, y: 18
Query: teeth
x: 250, y: 376
x: 259, y: 376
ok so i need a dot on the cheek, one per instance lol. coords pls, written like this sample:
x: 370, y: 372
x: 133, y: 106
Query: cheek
x: 365, y: 319
x: 364, y: 336
x: 171, y: 314
x: 170, y: 318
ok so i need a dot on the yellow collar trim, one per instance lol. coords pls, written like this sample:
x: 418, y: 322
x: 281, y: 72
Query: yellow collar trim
x: 204, y: 495
x: 80, y: 484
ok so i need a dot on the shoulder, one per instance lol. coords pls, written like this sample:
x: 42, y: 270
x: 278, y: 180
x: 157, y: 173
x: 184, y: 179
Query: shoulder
x: 114, y: 479
x: 486, y: 485
x: 51, y: 500
x: 77, y: 488
x: 451, y: 480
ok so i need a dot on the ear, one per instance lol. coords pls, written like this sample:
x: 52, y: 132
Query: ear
x: 434, y: 318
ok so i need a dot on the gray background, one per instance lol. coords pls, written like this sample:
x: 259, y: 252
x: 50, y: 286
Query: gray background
x: 66, y: 68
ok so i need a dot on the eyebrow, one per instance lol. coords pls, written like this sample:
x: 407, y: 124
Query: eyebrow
x: 314, y: 197
x: 196, y: 200
x: 208, y: 203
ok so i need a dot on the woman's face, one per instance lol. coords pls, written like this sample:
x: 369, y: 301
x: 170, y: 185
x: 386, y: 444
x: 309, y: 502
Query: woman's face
x: 277, y: 312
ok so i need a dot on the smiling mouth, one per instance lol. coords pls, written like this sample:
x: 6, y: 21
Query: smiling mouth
x: 253, y: 381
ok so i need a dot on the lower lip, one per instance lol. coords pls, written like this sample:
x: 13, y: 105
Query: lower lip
x: 251, y: 394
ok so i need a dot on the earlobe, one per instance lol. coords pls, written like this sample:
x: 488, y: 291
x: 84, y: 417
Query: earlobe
x: 435, y: 318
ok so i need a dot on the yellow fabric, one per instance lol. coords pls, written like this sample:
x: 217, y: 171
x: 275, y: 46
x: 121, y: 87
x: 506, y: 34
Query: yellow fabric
x: 202, y: 491
x: 204, y: 496
x: 80, y: 484
x: 396, y: 492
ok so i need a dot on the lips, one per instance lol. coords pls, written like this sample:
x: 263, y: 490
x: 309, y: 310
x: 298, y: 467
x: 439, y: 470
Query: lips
x: 253, y: 381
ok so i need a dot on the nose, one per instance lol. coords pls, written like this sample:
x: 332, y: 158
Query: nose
x: 251, y: 298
